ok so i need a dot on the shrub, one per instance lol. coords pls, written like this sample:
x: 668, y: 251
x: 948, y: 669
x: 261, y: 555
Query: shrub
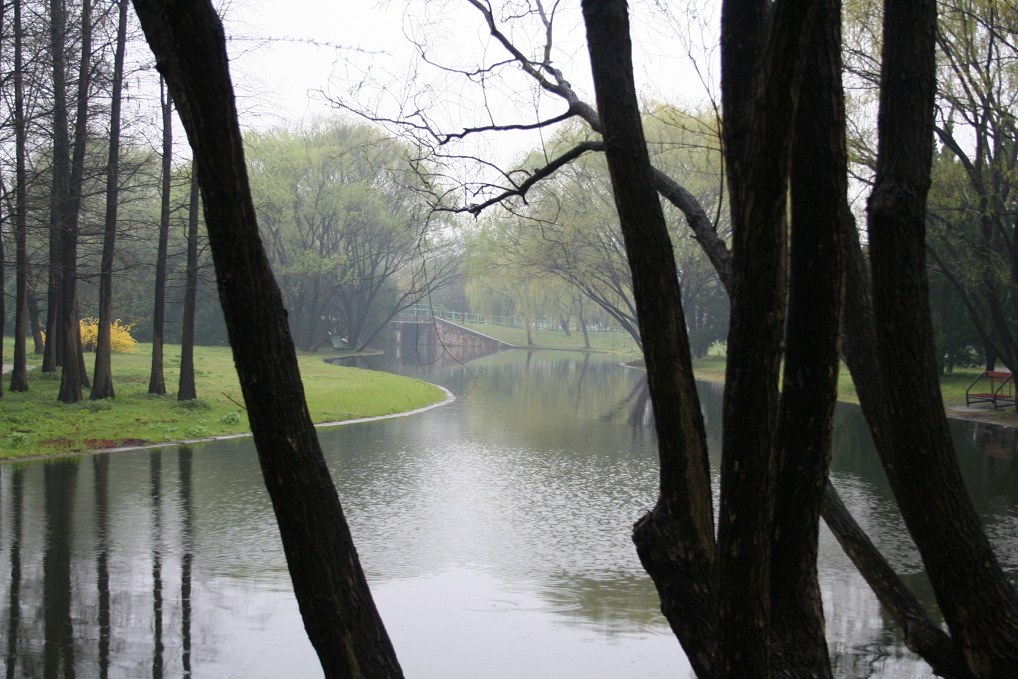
x: 120, y: 335
x: 718, y: 349
x: 230, y: 418
x: 194, y: 404
x: 18, y: 439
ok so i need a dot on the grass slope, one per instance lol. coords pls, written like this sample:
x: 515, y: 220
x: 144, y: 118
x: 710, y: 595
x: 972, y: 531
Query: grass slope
x: 35, y: 424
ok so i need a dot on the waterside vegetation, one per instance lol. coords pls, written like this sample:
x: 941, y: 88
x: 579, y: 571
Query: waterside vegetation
x: 711, y: 368
x: 35, y: 424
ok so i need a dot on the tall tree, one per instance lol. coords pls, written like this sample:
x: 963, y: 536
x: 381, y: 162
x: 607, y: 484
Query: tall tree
x: 157, y: 380
x: 980, y: 606
x: 102, y: 379
x: 74, y: 374
x: 332, y: 592
x: 186, y: 389
x: 974, y: 205
x: 348, y: 237
x: 19, y: 372
x: 678, y: 534
x: 779, y: 629
x: 60, y: 190
x: 3, y: 316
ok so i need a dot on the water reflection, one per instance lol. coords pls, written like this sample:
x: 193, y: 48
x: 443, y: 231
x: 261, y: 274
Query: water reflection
x: 494, y: 531
x: 187, y: 557
x: 16, y: 480
x: 101, y: 474
x: 58, y: 634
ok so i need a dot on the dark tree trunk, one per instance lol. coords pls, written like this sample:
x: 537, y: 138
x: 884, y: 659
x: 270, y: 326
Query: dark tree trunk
x: 978, y: 603
x: 819, y: 182
x: 19, y: 372
x: 59, y: 192
x: 186, y: 388
x: 335, y: 602
x: 157, y: 380
x: 759, y: 98
x: 74, y: 374
x: 102, y: 380
x: 675, y: 540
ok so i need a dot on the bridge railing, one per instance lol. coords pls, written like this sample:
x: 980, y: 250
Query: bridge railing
x: 463, y: 317
x: 425, y: 312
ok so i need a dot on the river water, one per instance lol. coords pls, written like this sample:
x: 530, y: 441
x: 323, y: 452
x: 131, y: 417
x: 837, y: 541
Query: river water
x: 494, y: 532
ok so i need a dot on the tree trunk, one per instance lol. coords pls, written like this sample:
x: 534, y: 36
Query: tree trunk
x: 72, y: 375
x: 819, y: 183
x: 19, y: 372
x: 759, y: 98
x: 978, y: 603
x: 102, y: 380
x: 330, y: 586
x: 59, y: 192
x: 156, y: 380
x: 186, y: 388
x: 675, y: 541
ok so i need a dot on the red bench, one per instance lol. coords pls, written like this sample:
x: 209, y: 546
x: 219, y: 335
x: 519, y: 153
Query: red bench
x: 993, y: 386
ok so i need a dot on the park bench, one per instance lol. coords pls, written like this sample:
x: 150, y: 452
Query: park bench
x: 340, y: 343
x: 993, y: 386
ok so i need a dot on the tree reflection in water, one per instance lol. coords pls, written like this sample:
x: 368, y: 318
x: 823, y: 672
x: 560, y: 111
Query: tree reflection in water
x: 503, y: 519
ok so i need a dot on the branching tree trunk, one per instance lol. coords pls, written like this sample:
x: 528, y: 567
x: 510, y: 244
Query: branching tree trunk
x: 788, y: 638
x: 339, y: 614
x: 102, y: 380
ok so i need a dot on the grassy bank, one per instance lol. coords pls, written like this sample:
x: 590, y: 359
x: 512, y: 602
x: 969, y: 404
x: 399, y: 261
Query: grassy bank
x: 952, y: 386
x: 952, y: 390
x: 35, y: 423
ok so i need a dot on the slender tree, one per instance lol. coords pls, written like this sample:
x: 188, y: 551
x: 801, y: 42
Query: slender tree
x: 19, y: 372
x: 677, y: 536
x: 332, y: 592
x: 979, y: 604
x: 157, y: 380
x: 73, y: 374
x: 102, y: 379
x: 186, y: 388
x: 59, y: 190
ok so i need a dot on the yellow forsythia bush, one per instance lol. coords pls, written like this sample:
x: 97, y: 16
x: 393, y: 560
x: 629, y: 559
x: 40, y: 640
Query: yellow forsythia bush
x: 120, y: 335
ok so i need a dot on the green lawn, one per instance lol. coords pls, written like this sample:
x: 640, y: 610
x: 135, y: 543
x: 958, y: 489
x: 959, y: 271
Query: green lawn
x: 35, y: 424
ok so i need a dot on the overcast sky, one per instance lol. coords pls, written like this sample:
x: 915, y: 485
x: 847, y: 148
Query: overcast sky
x: 283, y: 51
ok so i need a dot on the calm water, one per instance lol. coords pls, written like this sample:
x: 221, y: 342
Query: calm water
x: 494, y: 531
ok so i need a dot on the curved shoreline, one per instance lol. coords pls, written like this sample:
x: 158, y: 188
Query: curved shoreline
x: 449, y: 398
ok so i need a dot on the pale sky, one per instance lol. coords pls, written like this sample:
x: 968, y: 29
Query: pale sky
x: 283, y: 51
